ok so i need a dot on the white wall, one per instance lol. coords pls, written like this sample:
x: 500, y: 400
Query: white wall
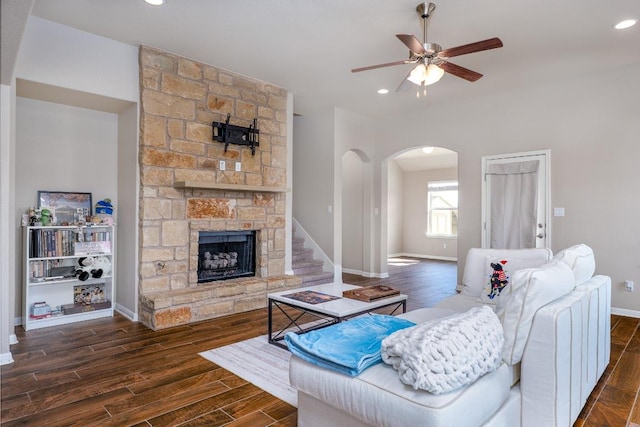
x: 62, y: 148
x: 313, y: 171
x: 590, y: 124
x: 75, y: 67
x: 355, y: 133
x: 414, y: 220
x: 321, y: 140
x: 64, y: 57
x: 395, y: 209
x: 127, y: 210
x: 352, y: 212
x: 7, y: 229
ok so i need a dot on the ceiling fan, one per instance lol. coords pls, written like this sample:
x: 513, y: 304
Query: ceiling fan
x: 433, y: 61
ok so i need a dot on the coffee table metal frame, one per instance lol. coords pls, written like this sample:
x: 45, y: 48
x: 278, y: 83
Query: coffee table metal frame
x: 326, y: 313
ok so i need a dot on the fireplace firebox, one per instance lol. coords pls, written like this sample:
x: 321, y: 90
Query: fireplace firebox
x: 226, y: 255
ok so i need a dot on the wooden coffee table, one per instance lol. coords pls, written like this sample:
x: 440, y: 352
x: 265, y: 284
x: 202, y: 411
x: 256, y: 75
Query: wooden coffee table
x: 326, y: 304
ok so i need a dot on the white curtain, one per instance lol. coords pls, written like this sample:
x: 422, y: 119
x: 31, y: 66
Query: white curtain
x: 514, y: 197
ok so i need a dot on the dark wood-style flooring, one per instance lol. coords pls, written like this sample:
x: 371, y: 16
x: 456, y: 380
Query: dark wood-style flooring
x: 113, y: 372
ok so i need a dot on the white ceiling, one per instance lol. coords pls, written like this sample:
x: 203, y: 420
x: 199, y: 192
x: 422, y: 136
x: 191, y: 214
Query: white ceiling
x: 309, y: 47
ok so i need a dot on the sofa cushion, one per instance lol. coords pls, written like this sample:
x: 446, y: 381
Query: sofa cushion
x: 446, y: 354
x: 530, y: 289
x: 378, y: 398
x: 476, y: 275
x: 580, y: 260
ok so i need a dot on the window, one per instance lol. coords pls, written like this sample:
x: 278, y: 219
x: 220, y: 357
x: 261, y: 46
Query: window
x: 442, y: 205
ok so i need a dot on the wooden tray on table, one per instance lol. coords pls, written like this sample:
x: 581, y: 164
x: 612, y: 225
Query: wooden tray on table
x: 371, y: 293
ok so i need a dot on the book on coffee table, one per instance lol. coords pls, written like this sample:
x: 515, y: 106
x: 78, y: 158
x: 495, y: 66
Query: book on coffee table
x: 311, y: 297
x: 371, y: 293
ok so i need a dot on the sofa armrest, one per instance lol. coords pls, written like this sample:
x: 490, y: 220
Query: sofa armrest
x: 553, y: 368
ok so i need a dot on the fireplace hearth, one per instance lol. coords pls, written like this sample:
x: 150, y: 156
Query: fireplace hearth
x: 224, y: 255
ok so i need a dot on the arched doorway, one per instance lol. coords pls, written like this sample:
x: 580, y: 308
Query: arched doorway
x: 421, y: 208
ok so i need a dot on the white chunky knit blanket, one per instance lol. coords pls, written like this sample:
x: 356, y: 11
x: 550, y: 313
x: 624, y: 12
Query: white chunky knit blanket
x: 444, y: 354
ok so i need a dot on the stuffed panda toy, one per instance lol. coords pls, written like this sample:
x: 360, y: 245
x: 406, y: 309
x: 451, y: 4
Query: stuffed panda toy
x: 93, y: 267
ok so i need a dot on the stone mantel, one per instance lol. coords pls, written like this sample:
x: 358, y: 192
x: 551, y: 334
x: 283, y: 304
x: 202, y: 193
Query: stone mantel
x: 230, y: 187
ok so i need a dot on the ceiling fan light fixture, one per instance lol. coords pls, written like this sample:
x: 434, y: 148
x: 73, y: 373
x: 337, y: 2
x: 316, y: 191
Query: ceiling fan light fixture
x: 155, y: 2
x: 423, y: 75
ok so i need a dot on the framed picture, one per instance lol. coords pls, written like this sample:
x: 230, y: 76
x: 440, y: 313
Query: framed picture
x: 72, y: 208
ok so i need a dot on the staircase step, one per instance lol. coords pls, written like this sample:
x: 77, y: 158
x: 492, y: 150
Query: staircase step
x: 313, y: 269
x: 302, y: 255
x: 297, y: 246
x: 308, y: 263
x: 315, y: 279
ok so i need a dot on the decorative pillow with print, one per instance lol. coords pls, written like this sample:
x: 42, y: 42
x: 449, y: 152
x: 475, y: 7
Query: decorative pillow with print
x: 498, y: 278
x: 498, y: 274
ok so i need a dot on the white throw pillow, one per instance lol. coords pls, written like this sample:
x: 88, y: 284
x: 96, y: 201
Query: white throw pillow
x: 530, y: 289
x: 580, y: 260
x: 474, y: 277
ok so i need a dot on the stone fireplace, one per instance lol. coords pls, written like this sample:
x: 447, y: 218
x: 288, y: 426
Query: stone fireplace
x: 185, y: 192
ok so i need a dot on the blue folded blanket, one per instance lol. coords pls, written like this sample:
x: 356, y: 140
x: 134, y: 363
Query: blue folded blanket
x: 349, y: 347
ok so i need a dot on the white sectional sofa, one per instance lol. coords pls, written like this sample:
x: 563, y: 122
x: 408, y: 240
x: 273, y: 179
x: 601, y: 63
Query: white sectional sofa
x: 555, y: 316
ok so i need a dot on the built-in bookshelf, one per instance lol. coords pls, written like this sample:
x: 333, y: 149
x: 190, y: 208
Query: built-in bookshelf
x: 69, y: 274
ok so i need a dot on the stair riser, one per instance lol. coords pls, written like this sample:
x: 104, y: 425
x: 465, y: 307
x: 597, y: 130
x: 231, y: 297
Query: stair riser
x: 307, y: 270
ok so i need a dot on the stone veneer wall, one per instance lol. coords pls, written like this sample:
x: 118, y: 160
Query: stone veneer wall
x: 180, y: 98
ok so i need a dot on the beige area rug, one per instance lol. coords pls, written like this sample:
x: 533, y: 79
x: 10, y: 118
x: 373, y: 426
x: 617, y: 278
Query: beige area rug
x: 261, y: 363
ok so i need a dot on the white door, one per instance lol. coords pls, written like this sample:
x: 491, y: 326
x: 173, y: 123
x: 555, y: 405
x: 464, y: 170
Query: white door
x: 515, y: 200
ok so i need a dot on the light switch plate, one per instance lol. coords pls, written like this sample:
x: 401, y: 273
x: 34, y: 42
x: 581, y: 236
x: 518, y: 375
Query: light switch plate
x: 238, y: 166
x: 223, y: 165
x: 558, y: 211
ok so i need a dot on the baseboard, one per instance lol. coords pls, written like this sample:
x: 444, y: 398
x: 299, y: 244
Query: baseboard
x: 126, y: 312
x: 17, y: 321
x: 366, y: 274
x: 13, y: 339
x: 423, y: 256
x: 6, y: 358
x: 625, y: 312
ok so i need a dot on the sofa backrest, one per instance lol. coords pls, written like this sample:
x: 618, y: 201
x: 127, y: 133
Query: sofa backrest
x: 477, y: 268
x: 580, y: 260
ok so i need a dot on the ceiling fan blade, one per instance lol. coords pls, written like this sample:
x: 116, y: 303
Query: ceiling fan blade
x: 459, y: 71
x: 470, y: 48
x: 373, y: 67
x: 412, y: 43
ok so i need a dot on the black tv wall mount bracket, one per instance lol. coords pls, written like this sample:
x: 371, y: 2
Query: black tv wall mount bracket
x: 238, y: 135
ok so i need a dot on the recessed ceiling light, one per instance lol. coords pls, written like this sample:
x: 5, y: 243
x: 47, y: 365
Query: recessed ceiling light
x: 383, y: 91
x: 625, y: 24
x: 155, y: 2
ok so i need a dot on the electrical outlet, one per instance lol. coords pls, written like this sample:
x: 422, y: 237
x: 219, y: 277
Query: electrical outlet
x: 223, y: 165
x: 629, y: 285
x: 238, y: 166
